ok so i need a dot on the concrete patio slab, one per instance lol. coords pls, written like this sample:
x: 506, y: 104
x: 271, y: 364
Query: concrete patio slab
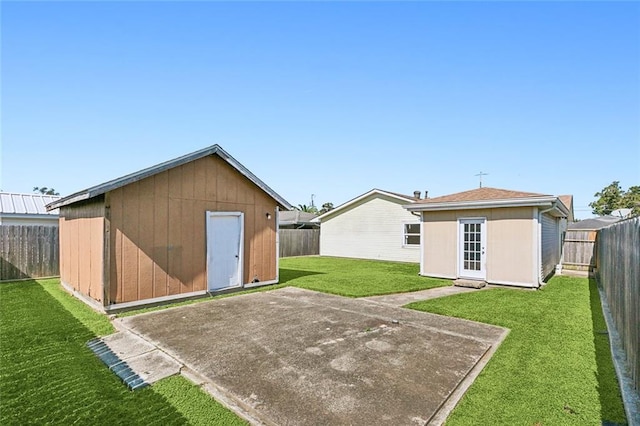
x: 294, y: 356
x: 153, y: 366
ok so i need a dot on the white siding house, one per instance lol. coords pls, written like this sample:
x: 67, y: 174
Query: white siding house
x: 27, y: 209
x: 373, y: 225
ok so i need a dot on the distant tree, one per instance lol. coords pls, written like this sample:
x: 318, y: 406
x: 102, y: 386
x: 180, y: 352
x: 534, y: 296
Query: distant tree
x: 45, y: 191
x: 326, y: 207
x: 631, y: 200
x: 307, y: 209
x: 613, y: 197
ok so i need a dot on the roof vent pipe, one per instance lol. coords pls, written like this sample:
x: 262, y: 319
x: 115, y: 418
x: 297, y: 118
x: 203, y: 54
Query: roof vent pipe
x: 416, y: 194
x: 426, y: 194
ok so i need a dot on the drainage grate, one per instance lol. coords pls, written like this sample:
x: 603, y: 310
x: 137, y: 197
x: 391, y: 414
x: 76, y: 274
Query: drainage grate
x: 117, y: 365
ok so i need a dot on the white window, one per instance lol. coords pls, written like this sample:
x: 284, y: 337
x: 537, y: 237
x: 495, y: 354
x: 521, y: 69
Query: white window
x: 411, y: 234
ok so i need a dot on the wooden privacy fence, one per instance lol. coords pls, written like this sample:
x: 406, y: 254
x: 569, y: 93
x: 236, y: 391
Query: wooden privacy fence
x: 29, y: 251
x: 579, y: 249
x: 299, y: 242
x: 618, y: 272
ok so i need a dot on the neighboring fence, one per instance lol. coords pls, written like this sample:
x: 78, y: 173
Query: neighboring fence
x: 299, y: 242
x: 618, y: 272
x: 579, y: 249
x: 28, y: 251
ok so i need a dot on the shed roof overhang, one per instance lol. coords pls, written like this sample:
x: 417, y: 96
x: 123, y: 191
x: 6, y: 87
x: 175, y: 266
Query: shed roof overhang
x: 94, y: 191
x: 556, y: 208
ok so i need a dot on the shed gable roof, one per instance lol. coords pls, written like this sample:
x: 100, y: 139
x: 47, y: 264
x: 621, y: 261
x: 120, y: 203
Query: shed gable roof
x: 401, y: 198
x: 491, y: 198
x: 159, y: 168
x: 482, y: 194
x: 26, y: 204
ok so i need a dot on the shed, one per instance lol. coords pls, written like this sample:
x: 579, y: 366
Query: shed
x: 373, y: 225
x: 27, y: 209
x: 196, y: 224
x: 494, y: 235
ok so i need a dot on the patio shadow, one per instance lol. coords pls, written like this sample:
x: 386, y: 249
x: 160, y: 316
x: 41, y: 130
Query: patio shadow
x: 292, y: 274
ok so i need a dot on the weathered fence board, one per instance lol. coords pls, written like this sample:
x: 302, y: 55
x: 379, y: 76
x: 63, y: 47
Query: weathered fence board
x: 618, y: 272
x: 28, y: 251
x: 299, y: 242
x: 579, y: 249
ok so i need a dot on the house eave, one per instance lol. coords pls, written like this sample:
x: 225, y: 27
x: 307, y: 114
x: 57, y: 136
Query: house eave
x: 485, y: 204
x: 50, y: 216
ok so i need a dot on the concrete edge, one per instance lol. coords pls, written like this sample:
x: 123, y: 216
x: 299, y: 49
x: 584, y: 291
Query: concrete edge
x: 440, y: 416
x: 225, y: 398
x: 630, y: 399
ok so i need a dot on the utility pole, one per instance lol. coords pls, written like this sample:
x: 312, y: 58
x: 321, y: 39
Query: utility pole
x: 481, y: 174
x: 312, y: 197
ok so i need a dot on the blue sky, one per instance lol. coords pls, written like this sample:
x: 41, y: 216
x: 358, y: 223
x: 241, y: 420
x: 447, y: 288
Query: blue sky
x: 330, y: 99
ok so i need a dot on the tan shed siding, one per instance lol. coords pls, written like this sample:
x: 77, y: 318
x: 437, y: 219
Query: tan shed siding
x: 440, y: 244
x: 371, y: 229
x: 509, y: 251
x: 550, y: 248
x: 510, y: 246
x: 81, y: 247
x: 158, y: 229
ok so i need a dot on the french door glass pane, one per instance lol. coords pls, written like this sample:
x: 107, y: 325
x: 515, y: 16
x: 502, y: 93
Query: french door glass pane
x: 472, y: 246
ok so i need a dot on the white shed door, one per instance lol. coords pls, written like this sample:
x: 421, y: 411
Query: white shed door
x: 224, y: 249
x: 471, y: 248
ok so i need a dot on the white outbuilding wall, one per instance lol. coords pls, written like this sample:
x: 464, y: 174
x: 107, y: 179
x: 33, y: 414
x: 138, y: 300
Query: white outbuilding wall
x: 372, y: 227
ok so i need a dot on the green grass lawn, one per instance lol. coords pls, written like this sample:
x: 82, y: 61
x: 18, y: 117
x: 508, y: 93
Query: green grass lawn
x: 553, y: 368
x: 49, y: 376
x: 354, y: 277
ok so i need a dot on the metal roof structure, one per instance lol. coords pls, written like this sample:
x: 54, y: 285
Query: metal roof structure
x: 94, y: 191
x: 12, y: 203
x: 296, y: 217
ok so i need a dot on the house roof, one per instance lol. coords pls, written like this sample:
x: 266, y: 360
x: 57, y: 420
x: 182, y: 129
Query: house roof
x: 482, y: 194
x: 400, y: 197
x: 489, y: 198
x: 294, y: 217
x: 567, y: 200
x: 593, y: 223
x: 94, y: 191
x: 26, y: 204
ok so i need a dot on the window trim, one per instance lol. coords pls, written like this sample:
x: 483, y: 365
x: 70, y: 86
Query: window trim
x: 406, y: 234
